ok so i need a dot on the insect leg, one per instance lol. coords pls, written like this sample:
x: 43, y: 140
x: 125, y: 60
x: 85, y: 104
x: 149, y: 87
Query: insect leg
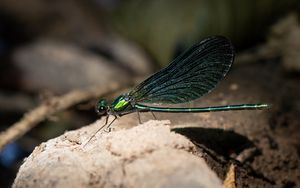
x: 139, y: 117
x: 108, y: 129
x: 153, y: 115
x: 106, y: 121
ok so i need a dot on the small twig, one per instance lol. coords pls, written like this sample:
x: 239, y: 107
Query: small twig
x: 230, y: 180
x: 48, y: 108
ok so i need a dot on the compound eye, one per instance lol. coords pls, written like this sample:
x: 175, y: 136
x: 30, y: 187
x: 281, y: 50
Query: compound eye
x: 101, y: 107
x: 101, y: 110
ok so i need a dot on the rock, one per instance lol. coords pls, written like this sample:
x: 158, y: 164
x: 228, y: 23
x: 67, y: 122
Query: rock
x: 149, y: 155
x: 60, y: 67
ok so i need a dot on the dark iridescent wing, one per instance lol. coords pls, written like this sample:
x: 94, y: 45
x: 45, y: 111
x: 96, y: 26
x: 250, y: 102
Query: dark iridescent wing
x: 191, y: 75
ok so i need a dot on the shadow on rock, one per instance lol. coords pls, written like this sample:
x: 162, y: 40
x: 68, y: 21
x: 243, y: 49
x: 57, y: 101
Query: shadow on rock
x: 223, y: 142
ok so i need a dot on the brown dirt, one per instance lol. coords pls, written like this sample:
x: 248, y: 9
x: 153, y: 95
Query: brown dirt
x: 263, y: 144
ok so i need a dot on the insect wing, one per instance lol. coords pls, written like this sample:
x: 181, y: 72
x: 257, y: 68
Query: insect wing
x: 191, y: 75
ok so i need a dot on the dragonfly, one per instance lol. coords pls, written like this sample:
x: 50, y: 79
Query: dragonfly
x: 191, y: 75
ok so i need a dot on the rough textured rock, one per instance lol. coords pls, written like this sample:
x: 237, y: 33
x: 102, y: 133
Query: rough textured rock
x: 144, y: 156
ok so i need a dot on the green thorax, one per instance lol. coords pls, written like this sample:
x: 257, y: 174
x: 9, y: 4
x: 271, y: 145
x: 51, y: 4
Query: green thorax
x: 120, y: 103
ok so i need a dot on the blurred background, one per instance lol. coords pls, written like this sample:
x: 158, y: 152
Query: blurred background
x: 48, y: 48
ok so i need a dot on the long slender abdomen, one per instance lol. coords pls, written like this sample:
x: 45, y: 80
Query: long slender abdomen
x: 202, y: 109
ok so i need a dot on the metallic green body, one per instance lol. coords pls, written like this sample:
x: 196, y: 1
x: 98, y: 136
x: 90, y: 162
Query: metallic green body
x: 120, y: 104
